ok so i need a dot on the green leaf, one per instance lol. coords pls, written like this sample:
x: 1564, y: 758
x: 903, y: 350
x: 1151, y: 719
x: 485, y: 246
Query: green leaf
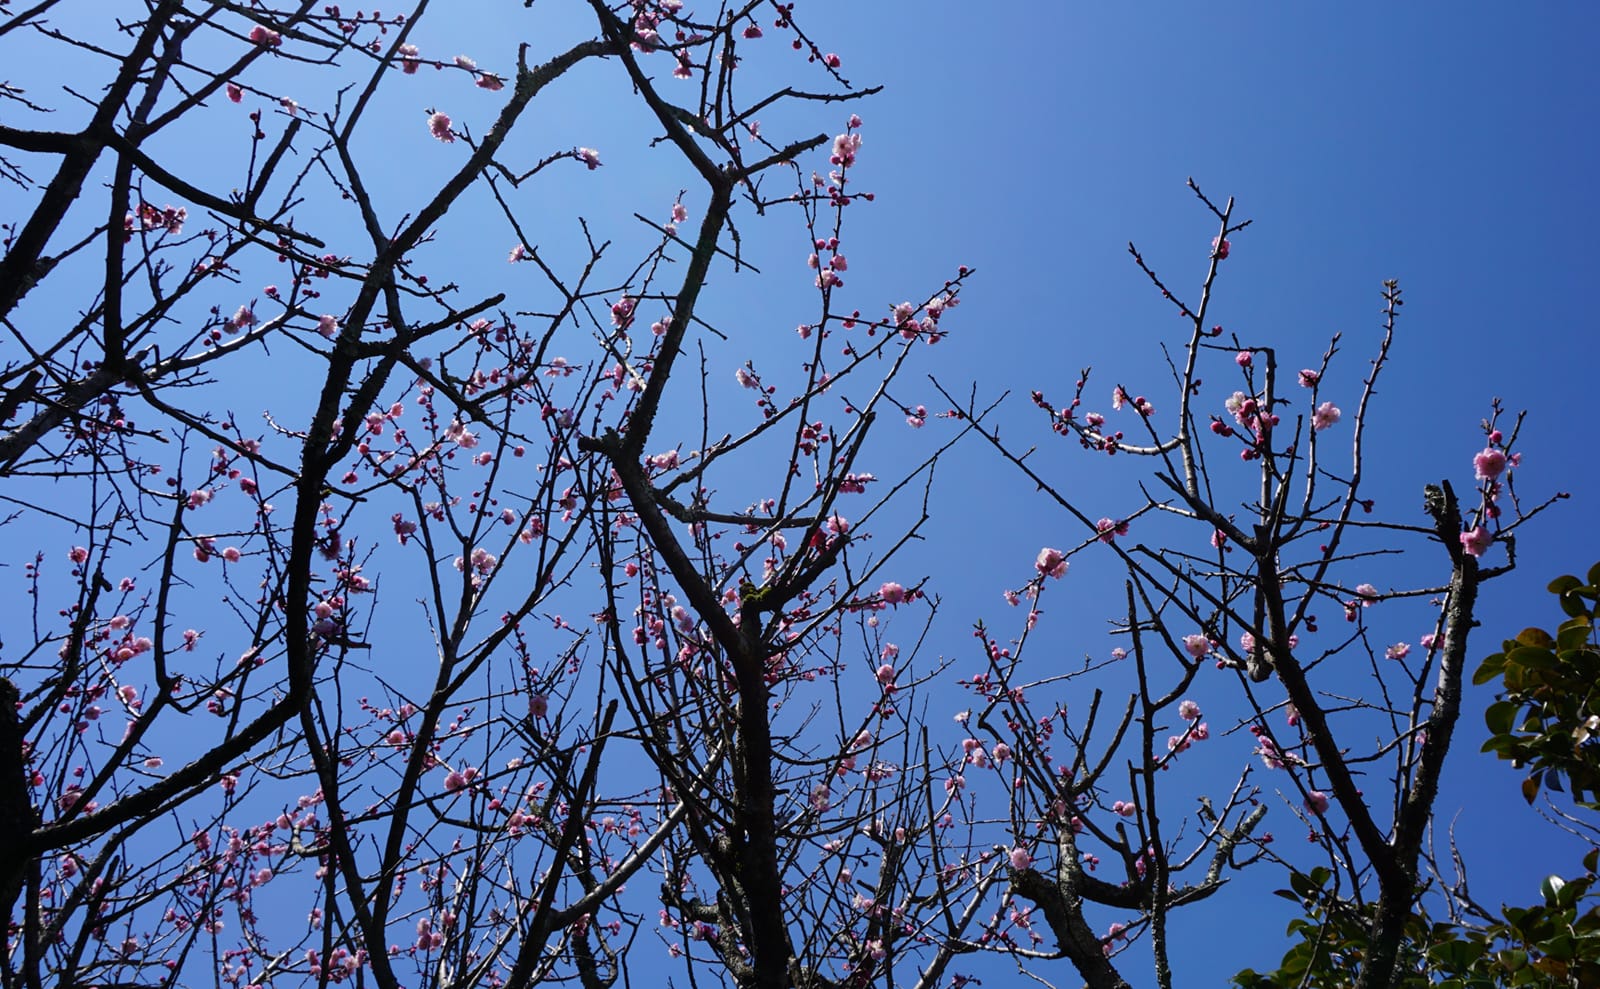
x: 1574, y: 635
x: 1551, y: 888
x: 1456, y: 955
x: 1567, y: 582
x: 1534, y: 637
x: 1533, y: 658
x: 1500, y: 716
x: 1303, y: 885
x: 1512, y: 959
x: 1489, y: 669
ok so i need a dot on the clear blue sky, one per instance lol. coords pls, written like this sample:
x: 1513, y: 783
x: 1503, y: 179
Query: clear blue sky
x: 1449, y: 146
x: 1452, y: 147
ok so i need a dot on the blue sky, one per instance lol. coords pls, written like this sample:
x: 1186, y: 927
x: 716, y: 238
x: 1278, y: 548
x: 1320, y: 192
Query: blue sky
x: 1445, y: 146
x: 1450, y: 147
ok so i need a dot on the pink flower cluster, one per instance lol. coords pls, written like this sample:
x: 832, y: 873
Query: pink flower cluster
x: 1110, y: 529
x: 1324, y: 415
x: 1051, y: 563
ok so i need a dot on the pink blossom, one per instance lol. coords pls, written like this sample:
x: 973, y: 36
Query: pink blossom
x: 1020, y: 859
x: 1367, y: 592
x: 622, y: 313
x: 821, y: 797
x: 243, y: 318
x: 1476, y: 540
x: 1220, y: 248
x: 235, y: 94
x: 538, y: 705
x: 1196, y: 645
x: 1324, y: 416
x: 265, y: 37
x: 744, y: 377
x: 1123, y: 808
x: 1400, y: 650
x: 518, y: 253
x: 1317, y: 802
x: 231, y: 554
x: 409, y: 63
x: 491, y: 82
x: 1309, y: 378
x: 455, y: 781
x: 886, y: 674
x: 892, y: 593
x: 1189, y: 711
x: 845, y: 147
x: 1109, y: 529
x: 1241, y: 406
x: 1489, y: 464
x: 78, y: 554
x: 1051, y: 562
x: 1243, y: 358
x: 462, y: 61
x: 589, y: 157
x: 1272, y: 756
x: 439, y: 126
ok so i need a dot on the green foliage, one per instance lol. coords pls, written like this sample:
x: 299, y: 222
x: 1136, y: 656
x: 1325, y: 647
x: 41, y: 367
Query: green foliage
x: 1546, y: 717
x: 1333, y: 939
x: 1555, y: 943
